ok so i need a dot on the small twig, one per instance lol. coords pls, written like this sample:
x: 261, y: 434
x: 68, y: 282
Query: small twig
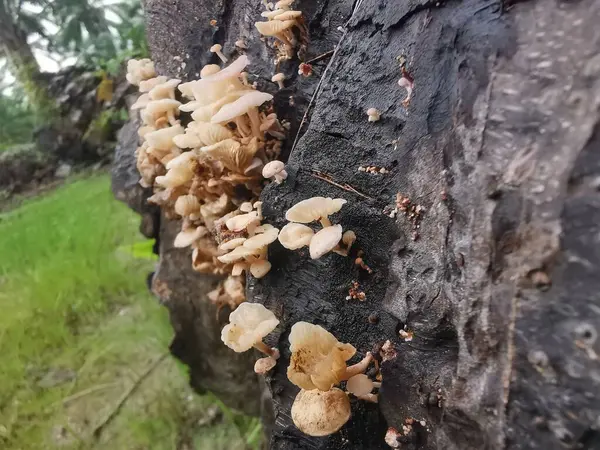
x: 320, y: 57
x: 88, y: 391
x: 345, y: 186
x: 134, y: 386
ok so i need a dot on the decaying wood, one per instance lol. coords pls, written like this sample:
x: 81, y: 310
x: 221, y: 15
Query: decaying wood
x: 500, y: 145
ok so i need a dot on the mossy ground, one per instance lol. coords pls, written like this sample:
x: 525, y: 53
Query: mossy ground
x: 78, y: 329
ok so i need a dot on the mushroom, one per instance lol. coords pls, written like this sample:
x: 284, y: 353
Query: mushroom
x: 262, y: 238
x: 246, y: 104
x: 315, y: 208
x: 231, y: 71
x: 277, y: 29
x: 139, y: 70
x: 319, y: 413
x: 186, y: 238
x: 278, y: 78
x: 247, y: 327
x: 325, y: 240
x: 210, y: 133
x: 242, y: 221
x: 164, y: 90
x: 407, y: 84
x: 260, y: 268
x: 284, y: 4
x: 187, y: 206
x: 392, y: 437
x: 241, y: 44
x: 231, y: 244
x: 263, y: 365
x: 275, y: 170
x: 217, y: 49
x: 187, y: 140
x: 374, y: 114
x: 147, y: 85
x: 318, y: 359
x: 157, y: 108
x: 295, y: 235
x: 348, y: 238
x: 361, y: 386
x: 163, y: 139
x: 141, y: 102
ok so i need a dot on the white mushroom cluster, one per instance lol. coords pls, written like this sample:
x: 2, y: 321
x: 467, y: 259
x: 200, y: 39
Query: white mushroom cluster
x: 317, y: 364
x: 247, y: 327
x: 209, y: 173
x: 280, y: 24
x: 296, y: 234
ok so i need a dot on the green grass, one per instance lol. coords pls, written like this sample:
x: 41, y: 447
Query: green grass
x: 78, y: 329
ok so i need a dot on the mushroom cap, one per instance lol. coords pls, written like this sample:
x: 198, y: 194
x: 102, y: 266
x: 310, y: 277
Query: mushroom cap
x: 272, y: 168
x: 186, y: 89
x: 241, y: 44
x: 325, y: 240
x: 210, y: 133
x: 278, y: 77
x: 404, y: 82
x: 348, y: 238
x: 319, y: 413
x: 263, y: 365
x: 232, y: 243
x: 239, y: 268
x: 283, y: 4
x: 261, y: 240
x: 232, y: 70
x: 209, y: 69
x: 295, y: 235
x: 188, y: 237
x: 161, y: 106
x: 183, y: 160
x: 237, y: 254
x: 318, y: 359
x: 164, y: 90
x: 360, y: 385
x: 314, y: 208
x: 372, y: 111
x: 246, y: 207
x: 186, y: 205
x: 163, y: 139
x: 260, y: 268
x: 187, y: 140
x: 248, y: 325
x: 240, y: 222
x: 273, y: 27
x: 288, y: 15
x: 271, y: 14
x: 141, y: 102
x: 241, y: 106
x: 216, y: 48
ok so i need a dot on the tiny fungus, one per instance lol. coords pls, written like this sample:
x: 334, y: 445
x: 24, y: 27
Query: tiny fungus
x: 407, y: 83
x: 275, y: 170
x: 305, y: 70
x: 374, y: 114
x: 278, y: 78
x: 241, y: 44
x: 284, y: 4
x: 318, y: 413
x: 263, y: 365
x: 295, y: 235
x: 186, y: 238
x: 217, y: 49
x: 247, y: 327
x: 392, y: 437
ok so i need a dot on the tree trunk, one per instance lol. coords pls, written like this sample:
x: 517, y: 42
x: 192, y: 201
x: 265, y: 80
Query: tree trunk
x: 23, y: 65
x: 497, y: 278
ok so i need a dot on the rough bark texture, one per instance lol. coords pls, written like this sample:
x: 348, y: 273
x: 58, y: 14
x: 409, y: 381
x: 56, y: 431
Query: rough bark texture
x: 500, y: 145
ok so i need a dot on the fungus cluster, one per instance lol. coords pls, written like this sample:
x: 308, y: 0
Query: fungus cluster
x: 208, y: 173
x: 317, y: 364
x: 280, y: 24
x: 296, y: 234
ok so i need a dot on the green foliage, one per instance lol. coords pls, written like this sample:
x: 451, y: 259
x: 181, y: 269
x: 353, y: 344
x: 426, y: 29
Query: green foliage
x: 78, y: 328
x: 17, y: 121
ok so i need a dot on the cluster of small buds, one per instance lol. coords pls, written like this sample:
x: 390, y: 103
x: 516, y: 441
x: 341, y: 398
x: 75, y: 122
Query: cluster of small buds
x: 361, y: 263
x: 412, y: 211
x: 373, y: 169
x: 305, y: 70
x: 356, y: 293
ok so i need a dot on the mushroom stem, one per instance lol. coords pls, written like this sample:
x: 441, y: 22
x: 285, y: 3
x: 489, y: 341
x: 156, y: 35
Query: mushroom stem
x: 264, y: 348
x: 377, y: 384
x: 171, y: 117
x: 244, y: 76
x: 221, y: 56
x: 280, y: 83
x: 325, y: 222
x: 359, y: 367
x: 242, y: 126
x: 255, y: 122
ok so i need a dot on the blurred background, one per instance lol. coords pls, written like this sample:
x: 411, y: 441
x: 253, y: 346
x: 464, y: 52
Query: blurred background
x: 84, y: 346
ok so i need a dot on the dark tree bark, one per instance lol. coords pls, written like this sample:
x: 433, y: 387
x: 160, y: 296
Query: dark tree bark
x: 500, y: 145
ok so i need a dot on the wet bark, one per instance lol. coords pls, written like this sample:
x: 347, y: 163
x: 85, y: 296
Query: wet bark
x: 501, y: 147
